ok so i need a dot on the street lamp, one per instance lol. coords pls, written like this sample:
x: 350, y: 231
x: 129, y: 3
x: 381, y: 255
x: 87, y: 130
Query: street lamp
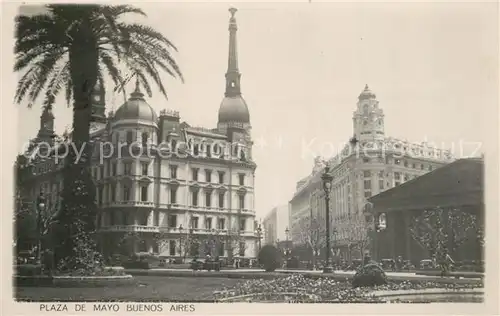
x: 327, y: 183
x: 259, y: 235
x: 40, y: 203
x: 180, y: 240
x: 287, y: 248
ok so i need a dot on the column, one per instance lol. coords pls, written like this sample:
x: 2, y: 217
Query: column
x: 391, y: 234
x: 406, y: 217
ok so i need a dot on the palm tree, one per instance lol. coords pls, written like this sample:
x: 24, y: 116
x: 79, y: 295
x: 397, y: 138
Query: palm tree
x: 70, y: 49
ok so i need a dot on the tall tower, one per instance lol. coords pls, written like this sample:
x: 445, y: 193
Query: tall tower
x: 368, y: 119
x: 46, y: 132
x: 233, y: 111
x: 98, y: 103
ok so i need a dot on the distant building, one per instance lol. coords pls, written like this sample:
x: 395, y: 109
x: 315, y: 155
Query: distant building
x: 275, y: 224
x: 191, y: 192
x: 369, y: 163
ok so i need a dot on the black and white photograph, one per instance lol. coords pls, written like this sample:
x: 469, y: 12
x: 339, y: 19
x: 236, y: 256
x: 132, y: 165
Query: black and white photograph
x: 171, y: 154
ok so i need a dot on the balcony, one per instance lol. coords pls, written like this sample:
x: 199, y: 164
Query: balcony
x: 129, y: 228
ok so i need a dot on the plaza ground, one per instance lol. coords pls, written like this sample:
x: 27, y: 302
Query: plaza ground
x: 148, y: 288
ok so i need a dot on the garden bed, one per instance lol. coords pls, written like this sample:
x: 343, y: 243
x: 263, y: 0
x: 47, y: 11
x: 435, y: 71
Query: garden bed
x: 298, y: 288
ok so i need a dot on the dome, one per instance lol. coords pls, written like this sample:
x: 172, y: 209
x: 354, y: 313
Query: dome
x: 234, y: 109
x: 136, y: 108
x: 367, y: 94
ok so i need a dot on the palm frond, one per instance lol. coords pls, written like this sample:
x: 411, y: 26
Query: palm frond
x: 57, y: 82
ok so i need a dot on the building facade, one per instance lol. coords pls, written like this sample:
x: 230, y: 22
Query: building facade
x: 368, y: 164
x: 164, y: 186
x: 276, y: 225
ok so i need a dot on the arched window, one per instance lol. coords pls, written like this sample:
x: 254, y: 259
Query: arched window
x: 145, y: 137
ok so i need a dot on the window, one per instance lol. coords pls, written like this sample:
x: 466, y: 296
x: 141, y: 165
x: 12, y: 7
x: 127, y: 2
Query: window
x: 127, y: 168
x: 144, y: 193
x: 144, y: 166
x: 242, y: 202
x: 367, y: 184
x: 101, y: 171
x: 124, y: 218
x: 194, y: 174
x: 367, y: 174
x: 126, y: 193
x: 396, y: 183
x: 173, y: 145
x: 209, y: 150
x: 368, y: 194
x: 172, y: 221
x: 221, y: 249
x: 413, y: 166
x: 195, y: 198
x: 397, y: 176
x: 406, y: 163
x: 221, y: 177
x: 221, y: 223
x: 112, y: 192
x: 242, y: 249
x: 208, y: 175
x: 407, y: 177
x: 221, y: 200
x: 130, y: 136
x: 366, y: 160
x: 194, y: 222
x: 430, y: 168
x: 101, y: 194
x: 397, y: 161
x: 381, y: 184
x: 173, y: 195
x: 208, y: 223
x: 242, y: 224
x: 113, y: 169
x: 208, y: 199
x: 156, y: 219
x: 422, y: 167
x: 145, y: 137
x: 196, y: 149
x: 242, y: 179
x: 111, y: 218
x: 173, y: 171
x: 171, y: 246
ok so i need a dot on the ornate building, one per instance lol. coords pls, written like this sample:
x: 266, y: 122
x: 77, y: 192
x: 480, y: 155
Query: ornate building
x: 369, y: 163
x: 163, y: 186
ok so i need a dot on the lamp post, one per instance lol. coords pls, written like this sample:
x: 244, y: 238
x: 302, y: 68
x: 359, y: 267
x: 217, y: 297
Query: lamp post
x: 40, y: 204
x: 327, y: 183
x: 287, y: 248
x: 181, y: 229
x: 259, y: 235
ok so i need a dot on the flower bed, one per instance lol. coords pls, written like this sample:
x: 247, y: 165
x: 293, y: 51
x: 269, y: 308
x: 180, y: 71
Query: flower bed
x: 297, y: 288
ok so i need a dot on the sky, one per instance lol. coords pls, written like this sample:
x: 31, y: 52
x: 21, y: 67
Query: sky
x: 433, y: 66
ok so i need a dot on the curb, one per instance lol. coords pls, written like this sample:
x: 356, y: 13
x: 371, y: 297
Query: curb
x: 73, y: 281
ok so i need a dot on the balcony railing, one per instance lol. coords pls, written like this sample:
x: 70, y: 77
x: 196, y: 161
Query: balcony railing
x: 130, y: 228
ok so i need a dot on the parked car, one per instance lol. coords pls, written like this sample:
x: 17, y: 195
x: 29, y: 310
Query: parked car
x: 407, y: 265
x: 387, y: 264
x: 427, y: 264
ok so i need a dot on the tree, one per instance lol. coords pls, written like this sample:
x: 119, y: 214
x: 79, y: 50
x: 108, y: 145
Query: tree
x: 356, y: 235
x: 443, y: 230
x: 70, y: 48
x: 235, y: 243
x: 312, y: 236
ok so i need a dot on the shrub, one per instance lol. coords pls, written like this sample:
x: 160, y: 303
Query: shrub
x: 270, y: 258
x: 370, y: 274
x: 28, y: 269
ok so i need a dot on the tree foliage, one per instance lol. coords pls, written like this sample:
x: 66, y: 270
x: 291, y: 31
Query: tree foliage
x: 356, y: 234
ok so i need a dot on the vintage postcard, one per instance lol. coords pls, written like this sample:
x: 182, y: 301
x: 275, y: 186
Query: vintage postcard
x: 290, y: 157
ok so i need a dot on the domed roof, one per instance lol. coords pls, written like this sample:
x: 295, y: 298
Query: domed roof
x: 367, y: 94
x: 234, y: 109
x: 136, y: 108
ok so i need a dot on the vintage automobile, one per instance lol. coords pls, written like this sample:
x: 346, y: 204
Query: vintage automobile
x: 427, y: 264
x: 205, y: 264
x: 387, y: 264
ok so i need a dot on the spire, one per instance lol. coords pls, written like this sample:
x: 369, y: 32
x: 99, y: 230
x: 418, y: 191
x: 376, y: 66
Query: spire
x: 233, y: 88
x: 137, y: 94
